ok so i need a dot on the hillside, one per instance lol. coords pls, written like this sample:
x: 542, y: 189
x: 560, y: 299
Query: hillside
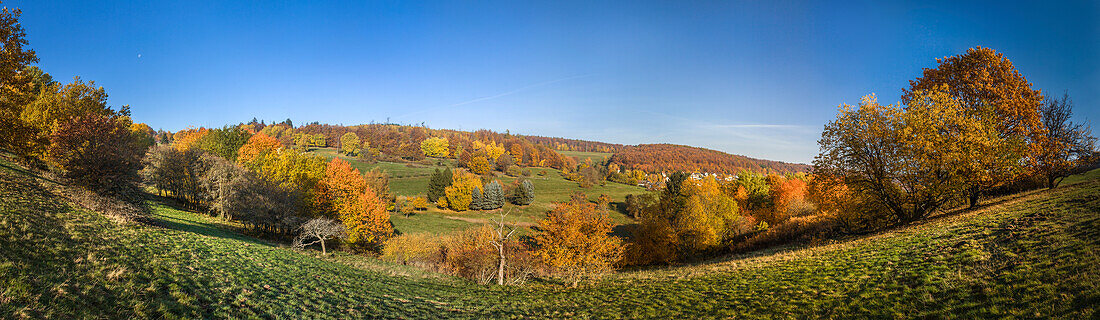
x: 1031, y: 255
x: 550, y: 187
x: 671, y: 157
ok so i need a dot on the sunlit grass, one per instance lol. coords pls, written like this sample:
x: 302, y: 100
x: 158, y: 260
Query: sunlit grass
x: 1035, y: 255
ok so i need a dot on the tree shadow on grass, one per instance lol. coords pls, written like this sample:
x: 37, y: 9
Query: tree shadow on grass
x: 195, y: 226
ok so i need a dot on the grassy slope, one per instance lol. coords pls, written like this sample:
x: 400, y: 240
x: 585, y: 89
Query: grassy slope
x: 549, y: 188
x: 1032, y: 255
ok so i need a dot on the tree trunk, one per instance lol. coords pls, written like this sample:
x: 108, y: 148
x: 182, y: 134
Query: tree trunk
x: 323, y: 250
x: 1052, y: 182
x: 974, y: 196
x: 500, y: 266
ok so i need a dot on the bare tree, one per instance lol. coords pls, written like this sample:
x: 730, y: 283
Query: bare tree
x: 320, y: 229
x: 1066, y: 144
x: 500, y: 242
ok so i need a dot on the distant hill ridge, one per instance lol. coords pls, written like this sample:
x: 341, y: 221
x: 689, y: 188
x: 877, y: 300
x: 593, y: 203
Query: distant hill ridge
x: 672, y: 157
x: 404, y: 141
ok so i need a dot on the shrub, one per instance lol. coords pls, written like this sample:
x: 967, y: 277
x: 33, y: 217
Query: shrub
x: 575, y: 242
x: 97, y: 152
x: 795, y: 229
x: 411, y: 249
x: 469, y: 254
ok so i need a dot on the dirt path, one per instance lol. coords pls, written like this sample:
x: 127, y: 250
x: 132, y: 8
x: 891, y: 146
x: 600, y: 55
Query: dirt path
x: 474, y: 220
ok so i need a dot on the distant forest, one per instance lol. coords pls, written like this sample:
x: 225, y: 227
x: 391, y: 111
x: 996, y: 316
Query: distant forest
x: 672, y: 158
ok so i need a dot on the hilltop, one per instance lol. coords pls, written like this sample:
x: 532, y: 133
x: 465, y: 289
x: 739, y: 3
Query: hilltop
x: 671, y: 157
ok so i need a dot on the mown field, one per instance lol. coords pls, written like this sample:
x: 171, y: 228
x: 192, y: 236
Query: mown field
x: 1034, y: 255
x: 550, y: 187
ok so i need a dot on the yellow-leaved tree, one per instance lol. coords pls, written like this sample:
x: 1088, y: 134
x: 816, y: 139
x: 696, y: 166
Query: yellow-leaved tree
x: 575, y: 242
x: 988, y: 88
x: 457, y: 196
x: 435, y: 147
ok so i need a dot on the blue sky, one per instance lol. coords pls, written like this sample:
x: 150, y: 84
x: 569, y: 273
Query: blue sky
x: 758, y: 78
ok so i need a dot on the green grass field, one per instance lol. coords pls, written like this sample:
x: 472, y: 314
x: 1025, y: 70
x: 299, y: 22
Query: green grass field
x: 550, y: 187
x: 1033, y: 255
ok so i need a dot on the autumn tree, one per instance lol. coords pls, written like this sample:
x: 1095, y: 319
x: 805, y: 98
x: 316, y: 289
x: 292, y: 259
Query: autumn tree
x: 349, y: 144
x: 479, y: 165
x: 258, y: 145
x: 16, y: 87
x: 188, y: 138
x: 638, y: 205
x: 988, y: 87
x: 785, y: 193
x: 339, y: 186
x: 57, y: 104
x: 97, y: 151
x: 575, y: 241
x: 435, y: 147
x: 366, y: 220
x: 1063, y: 145
x: 903, y: 163
x: 457, y: 196
x: 143, y: 135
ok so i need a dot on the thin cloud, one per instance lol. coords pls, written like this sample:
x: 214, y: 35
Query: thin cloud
x: 754, y: 126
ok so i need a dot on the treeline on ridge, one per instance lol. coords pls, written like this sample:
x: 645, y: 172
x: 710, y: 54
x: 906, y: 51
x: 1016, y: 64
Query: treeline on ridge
x: 673, y: 158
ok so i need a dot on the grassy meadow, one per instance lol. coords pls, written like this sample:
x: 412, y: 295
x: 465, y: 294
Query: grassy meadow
x: 550, y: 187
x: 1031, y: 255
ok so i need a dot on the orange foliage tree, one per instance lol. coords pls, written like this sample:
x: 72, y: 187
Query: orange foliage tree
x: 366, y: 220
x: 986, y: 85
x: 344, y: 191
x: 188, y: 138
x: 575, y: 241
x: 785, y: 192
x: 457, y: 196
x: 258, y: 144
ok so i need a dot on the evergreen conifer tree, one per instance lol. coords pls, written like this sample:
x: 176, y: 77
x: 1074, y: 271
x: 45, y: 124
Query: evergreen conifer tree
x: 477, y: 200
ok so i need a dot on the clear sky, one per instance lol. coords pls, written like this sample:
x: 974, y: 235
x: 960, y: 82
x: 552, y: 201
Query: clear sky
x: 758, y: 78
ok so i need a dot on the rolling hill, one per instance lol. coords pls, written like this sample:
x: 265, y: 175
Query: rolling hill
x: 1030, y: 255
x: 671, y: 157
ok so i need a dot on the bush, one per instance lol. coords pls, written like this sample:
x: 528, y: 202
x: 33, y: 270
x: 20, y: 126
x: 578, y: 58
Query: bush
x: 416, y: 249
x: 469, y: 254
x: 97, y: 152
x: 575, y: 242
x: 794, y: 230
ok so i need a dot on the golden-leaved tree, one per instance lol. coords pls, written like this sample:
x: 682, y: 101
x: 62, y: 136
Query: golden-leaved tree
x: 903, y: 163
x: 987, y: 86
x: 16, y: 86
x: 366, y: 220
x: 457, y: 196
x: 575, y: 242
x: 435, y: 147
x: 691, y: 217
